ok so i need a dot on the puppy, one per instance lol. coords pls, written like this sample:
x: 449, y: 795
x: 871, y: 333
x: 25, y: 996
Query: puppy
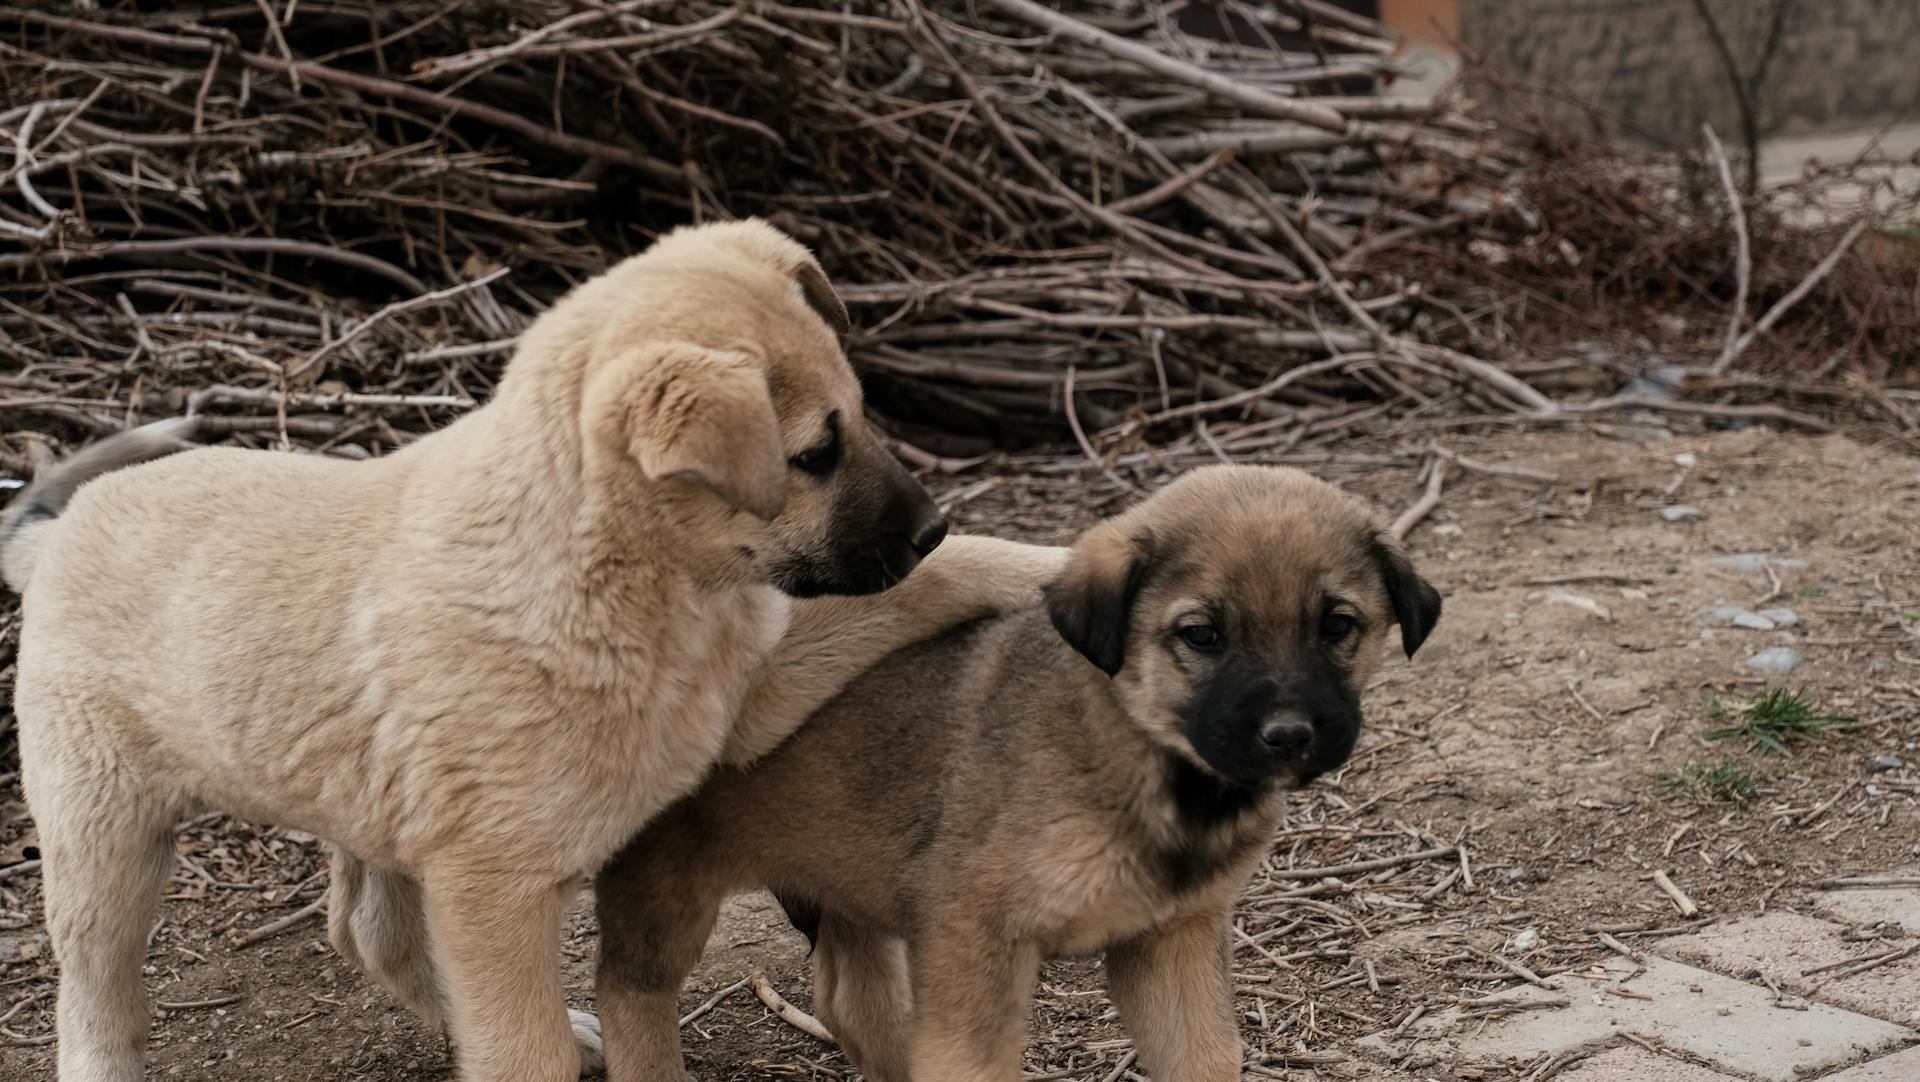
x: 1096, y: 773
x: 478, y: 664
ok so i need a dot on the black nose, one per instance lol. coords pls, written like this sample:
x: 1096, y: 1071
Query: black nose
x: 1287, y: 735
x: 929, y: 535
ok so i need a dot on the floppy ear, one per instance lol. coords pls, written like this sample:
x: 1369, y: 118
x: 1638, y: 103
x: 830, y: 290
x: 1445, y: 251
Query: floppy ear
x: 819, y: 293
x: 705, y: 416
x: 1416, y: 604
x: 1091, y: 603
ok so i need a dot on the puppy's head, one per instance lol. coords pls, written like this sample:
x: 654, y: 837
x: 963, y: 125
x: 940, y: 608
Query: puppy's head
x: 1238, y: 612
x: 725, y: 381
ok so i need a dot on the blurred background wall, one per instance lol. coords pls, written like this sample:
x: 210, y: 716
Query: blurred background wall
x: 1655, y: 70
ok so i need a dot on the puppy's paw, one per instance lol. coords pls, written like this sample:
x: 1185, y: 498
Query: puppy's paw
x: 586, y: 1033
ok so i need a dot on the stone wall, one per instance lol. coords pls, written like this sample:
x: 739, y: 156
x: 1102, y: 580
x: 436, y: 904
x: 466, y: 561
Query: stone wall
x: 1840, y: 64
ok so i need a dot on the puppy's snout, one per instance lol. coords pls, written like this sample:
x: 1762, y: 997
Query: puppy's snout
x: 1287, y: 734
x: 928, y: 534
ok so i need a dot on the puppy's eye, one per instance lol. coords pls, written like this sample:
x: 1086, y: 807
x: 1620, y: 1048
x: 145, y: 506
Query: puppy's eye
x: 1201, y: 637
x: 1335, y: 626
x: 821, y: 457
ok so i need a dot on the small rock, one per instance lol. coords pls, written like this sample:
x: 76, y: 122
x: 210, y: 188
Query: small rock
x: 1723, y: 1010
x: 1731, y: 616
x: 1755, y: 561
x: 1782, y: 618
x: 1886, y: 763
x: 1579, y: 601
x: 1681, y: 513
x: 1780, y: 659
x: 1520, y: 873
x: 1447, y: 529
x: 1524, y: 940
x: 1685, y: 460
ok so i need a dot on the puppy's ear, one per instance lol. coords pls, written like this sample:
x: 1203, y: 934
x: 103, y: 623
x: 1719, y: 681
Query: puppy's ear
x: 1416, y: 604
x: 705, y: 416
x: 767, y: 244
x: 1091, y: 603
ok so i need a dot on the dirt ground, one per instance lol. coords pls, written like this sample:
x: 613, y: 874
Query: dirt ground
x: 1573, y: 671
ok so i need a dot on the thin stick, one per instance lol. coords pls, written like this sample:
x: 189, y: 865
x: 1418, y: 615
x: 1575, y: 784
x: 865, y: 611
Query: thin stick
x: 1422, y: 507
x: 410, y: 304
x: 21, y: 868
x: 1242, y: 94
x: 1743, y: 251
x: 1361, y: 866
x: 712, y: 1001
x: 788, y: 1013
x: 294, y: 919
x: 1680, y: 900
x: 1780, y: 308
x: 1086, y: 445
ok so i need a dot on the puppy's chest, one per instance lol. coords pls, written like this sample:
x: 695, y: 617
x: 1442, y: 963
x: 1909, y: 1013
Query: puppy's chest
x: 1088, y: 892
x: 677, y: 696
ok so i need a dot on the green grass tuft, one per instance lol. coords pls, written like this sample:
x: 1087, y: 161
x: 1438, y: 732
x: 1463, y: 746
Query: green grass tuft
x: 1771, y: 720
x: 1724, y: 782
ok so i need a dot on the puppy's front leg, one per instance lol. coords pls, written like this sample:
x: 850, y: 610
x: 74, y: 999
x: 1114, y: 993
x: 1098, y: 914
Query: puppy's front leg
x: 1175, y: 994
x: 657, y: 904
x: 498, y: 939
x: 971, y: 992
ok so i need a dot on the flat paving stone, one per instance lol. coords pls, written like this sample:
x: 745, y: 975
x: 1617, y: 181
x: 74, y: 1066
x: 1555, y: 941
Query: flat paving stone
x: 1900, y: 905
x: 1785, y: 945
x: 1899, y: 1067
x: 1733, y: 1025
x: 1635, y: 1064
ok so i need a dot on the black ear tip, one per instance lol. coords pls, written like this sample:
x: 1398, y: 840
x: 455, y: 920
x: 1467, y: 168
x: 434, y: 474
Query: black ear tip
x: 1423, y: 617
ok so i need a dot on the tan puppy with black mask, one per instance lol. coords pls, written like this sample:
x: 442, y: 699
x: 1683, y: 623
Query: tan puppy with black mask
x: 1097, y: 773
x: 478, y: 664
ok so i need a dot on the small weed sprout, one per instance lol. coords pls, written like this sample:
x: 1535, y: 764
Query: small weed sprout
x: 1771, y: 720
x: 1724, y: 782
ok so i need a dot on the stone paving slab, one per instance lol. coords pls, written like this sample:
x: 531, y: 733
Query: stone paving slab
x: 1784, y: 945
x: 1633, y: 1063
x: 1721, y: 1020
x: 1897, y: 906
x: 1899, y: 1067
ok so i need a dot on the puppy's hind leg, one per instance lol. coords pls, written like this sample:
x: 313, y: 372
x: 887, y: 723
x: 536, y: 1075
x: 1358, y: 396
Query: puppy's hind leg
x: 377, y: 920
x: 863, y: 990
x: 107, y: 848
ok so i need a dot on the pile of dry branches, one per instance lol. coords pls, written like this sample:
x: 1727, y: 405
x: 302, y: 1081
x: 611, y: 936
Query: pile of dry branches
x: 323, y: 223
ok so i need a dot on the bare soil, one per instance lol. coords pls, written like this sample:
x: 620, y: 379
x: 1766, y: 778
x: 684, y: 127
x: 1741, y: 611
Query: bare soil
x: 1571, y: 673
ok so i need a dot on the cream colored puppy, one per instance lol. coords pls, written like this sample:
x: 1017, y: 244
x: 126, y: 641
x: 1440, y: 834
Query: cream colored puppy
x: 479, y: 663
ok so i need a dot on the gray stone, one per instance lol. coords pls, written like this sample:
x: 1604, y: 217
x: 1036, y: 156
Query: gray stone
x: 1782, y: 618
x: 1731, y: 616
x: 1893, y: 905
x: 1755, y: 561
x: 1780, y: 659
x: 1728, y: 1023
x: 1885, y: 763
x: 1681, y: 513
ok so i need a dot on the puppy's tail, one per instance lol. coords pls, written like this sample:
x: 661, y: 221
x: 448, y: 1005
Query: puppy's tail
x: 24, y: 522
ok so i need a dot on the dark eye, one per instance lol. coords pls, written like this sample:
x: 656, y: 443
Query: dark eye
x: 1335, y: 626
x: 1201, y: 637
x: 823, y: 456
